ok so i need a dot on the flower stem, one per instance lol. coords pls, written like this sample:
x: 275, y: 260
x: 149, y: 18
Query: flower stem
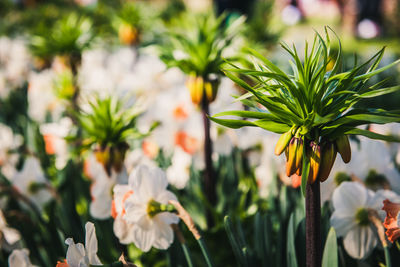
x: 313, y: 225
x: 209, y: 176
x: 387, y: 256
x: 182, y: 241
x: 204, y: 250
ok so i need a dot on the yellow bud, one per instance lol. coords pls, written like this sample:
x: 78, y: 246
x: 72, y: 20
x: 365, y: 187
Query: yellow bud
x: 127, y: 34
x: 282, y: 143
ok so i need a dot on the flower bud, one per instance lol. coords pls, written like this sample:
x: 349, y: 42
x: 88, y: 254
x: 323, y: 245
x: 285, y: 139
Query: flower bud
x: 282, y: 143
x: 128, y: 35
x: 211, y: 89
x: 295, y: 154
x: 327, y: 160
x: 315, y: 161
x: 196, y: 87
x: 343, y: 147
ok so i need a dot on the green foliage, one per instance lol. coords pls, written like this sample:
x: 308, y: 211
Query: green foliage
x: 70, y: 35
x: 314, y: 98
x: 199, y: 46
x: 108, y: 123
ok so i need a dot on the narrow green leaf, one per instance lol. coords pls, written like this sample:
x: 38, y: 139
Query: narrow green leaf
x: 372, y: 135
x: 246, y: 114
x: 330, y: 257
x: 291, y: 259
x: 272, y: 126
x: 235, y: 124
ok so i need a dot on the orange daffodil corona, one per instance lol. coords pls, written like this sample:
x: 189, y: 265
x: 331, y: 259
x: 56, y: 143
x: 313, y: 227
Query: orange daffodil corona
x: 392, y: 220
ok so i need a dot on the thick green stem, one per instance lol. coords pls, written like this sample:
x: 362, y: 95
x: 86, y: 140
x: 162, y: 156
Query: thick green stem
x: 313, y: 225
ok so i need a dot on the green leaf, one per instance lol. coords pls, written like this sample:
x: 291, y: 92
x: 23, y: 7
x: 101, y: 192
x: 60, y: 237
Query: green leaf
x: 234, y: 243
x: 272, y: 126
x: 235, y: 124
x: 246, y: 114
x: 372, y: 135
x: 330, y: 257
x: 291, y: 257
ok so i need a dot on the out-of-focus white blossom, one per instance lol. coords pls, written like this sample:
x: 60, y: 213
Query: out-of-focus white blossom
x: 102, y: 187
x: 20, y: 258
x: 8, y: 236
x: 14, y: 64
x: 54, y: 135
x: 42, y: 101
x: 178, y: 173
x: 8, y: 142
x: 32, y: 183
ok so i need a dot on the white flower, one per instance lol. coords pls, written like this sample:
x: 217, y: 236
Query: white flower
x: 101, y: 188
x: 42, y: 100
x: 122, y: 229
x: 79, y: 255
x: 351, y: 203
x: 179, y: 172
x: 149, y: 230
x: 9, y: 236
x: 8, y: 142
x: 31, y: 182
x: 20, y: 258
x: 54, y: 137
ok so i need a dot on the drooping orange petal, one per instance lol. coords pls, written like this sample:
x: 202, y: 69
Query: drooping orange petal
x: 390, y: 223
x: 393, y: 234
x: 392, y: 210
x: 62, y: 264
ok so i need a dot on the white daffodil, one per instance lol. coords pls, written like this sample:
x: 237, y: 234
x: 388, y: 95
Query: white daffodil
x: 42, y: 100
x: 19, y: 258
x: 179, y: 172
x: 79, y: 255
x: 102, y: 186
x: 8, y: 236
x: 31, y: 182
x: 8, y: 142
x: 122, y: 229
x: 54, y: 137
x: 143, y: 209
x: 352, y: 203
x: 14, y: 64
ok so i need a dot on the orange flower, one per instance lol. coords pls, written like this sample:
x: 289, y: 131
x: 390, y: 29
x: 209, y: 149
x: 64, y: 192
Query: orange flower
x: 180, y: 113
x: 188, y: 143
x: 391, y: 222
x: 49, y: 144
x: 62, y: 264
